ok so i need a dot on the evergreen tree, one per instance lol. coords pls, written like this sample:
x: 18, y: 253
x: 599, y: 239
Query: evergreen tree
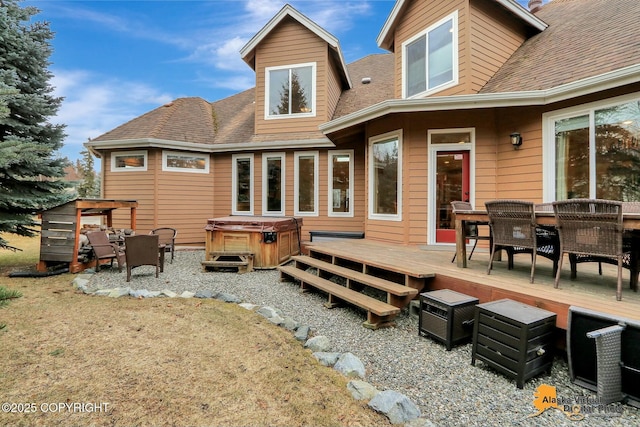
x: 88, y: 188
x: 292, y: 89
x: 30, y: 175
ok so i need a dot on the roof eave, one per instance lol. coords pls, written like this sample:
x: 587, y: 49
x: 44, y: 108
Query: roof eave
x: 139, y: 143
x: 617, y: 78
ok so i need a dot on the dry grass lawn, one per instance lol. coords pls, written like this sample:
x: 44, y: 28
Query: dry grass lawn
x: 183, y: 362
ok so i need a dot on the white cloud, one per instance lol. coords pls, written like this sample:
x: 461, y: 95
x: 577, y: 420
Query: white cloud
x: 93, y: 105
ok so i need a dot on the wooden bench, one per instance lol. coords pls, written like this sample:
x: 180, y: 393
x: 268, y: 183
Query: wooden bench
x: 379, y: 313
x: 243, y: 261
x: 397, y: 295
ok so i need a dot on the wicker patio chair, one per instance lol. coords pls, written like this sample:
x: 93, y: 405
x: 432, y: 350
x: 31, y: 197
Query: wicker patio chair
x: 104, y: 249
x: 471, y: 230
x: 513, y: 229
x: 591, y: 230
x: 168, y: 238
x: 142, y: 250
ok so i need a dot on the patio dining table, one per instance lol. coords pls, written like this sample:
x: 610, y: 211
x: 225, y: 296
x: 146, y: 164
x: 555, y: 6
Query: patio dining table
x: 631, y: 221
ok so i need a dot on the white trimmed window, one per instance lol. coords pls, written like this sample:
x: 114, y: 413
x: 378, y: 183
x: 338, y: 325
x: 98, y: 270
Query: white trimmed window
x: 305, y: 183
x: 273, y: 183
x: 341, y: 183
x: 128, y: 161
x: 592, y: 151
x: 290, y: 91
x: 430, y: 59
x: 242, y: 184
x: 385, y: 176
x: 177, y: 161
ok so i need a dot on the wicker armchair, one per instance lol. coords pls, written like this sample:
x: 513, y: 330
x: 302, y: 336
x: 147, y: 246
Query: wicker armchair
x: 471, y: 231
x: 142, y: 250
x: 513, y: 229
x: 104, y: 249
x: 167, y: 238
x: 591, y: 230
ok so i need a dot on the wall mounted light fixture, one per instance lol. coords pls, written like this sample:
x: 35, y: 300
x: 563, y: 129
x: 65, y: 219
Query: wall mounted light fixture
x: 516, y: 140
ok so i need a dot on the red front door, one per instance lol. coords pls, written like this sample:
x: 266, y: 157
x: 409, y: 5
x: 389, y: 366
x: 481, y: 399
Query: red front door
x: 452, y: 183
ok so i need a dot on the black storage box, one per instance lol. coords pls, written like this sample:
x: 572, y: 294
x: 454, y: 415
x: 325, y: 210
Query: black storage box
x: 513, y: 338
x: 447, y: 316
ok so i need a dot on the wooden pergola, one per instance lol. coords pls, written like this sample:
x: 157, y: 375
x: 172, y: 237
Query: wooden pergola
x: 61, y: 226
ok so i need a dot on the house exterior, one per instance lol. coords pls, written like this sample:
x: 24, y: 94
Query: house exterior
x: 476, y: 100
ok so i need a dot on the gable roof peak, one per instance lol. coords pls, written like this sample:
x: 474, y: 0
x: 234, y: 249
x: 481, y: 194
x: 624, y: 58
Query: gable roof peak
x: 385, y: 39
x: 248, y: 51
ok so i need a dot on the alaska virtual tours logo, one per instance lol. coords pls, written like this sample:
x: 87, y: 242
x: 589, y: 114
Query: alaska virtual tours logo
x: 576, y: 408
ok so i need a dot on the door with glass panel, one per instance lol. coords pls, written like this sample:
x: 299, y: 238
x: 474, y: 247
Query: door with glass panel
x: 452, y: 183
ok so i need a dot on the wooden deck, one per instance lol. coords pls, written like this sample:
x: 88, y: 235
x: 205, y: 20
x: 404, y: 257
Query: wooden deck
x: 589, y: 291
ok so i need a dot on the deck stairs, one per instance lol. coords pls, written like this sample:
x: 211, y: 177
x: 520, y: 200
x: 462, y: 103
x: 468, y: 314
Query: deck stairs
x: 242, y: 261
x: 382, y: 298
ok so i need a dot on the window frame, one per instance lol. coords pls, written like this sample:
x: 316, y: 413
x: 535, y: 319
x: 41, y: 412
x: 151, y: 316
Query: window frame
x: 267, y: 79
x: 331, y: 154
x: 296, y: 182
x: 386, y: 137
x: 549, y: 120
x: 116, y: 154
x: 455, y: 58
x: 167, y: 168
x: 265, y: 183
x: 234, y: 184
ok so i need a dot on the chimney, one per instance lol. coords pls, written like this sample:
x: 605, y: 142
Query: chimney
x: 534, y: 5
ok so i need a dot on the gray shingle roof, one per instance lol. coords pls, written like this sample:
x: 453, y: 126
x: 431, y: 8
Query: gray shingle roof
x: 185, y: 120
x: 585, y: 38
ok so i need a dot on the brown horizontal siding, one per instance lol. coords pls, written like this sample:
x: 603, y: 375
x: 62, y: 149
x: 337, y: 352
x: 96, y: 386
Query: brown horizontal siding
x: 222, y: 183
x: 291, y: 43
x: 184, y: 202
x: 334, y: 88
x: 493, y: 39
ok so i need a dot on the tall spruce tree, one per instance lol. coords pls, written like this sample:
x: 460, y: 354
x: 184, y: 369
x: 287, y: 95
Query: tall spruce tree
x: 89, y: 187
x: 30, y: 170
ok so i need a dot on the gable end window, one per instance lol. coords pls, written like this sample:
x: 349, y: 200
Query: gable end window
x: 430, y: 59
x: 128, y: 161
x: 290, y: 91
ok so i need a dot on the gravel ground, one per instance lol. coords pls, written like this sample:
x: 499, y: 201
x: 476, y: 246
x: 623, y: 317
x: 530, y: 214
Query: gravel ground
x: 444, y: 384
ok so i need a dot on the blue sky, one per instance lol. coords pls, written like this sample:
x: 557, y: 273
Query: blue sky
x: 116, y: 60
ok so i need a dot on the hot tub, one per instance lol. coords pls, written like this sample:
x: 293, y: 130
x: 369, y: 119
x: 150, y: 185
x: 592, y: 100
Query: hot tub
x: 271, y: 240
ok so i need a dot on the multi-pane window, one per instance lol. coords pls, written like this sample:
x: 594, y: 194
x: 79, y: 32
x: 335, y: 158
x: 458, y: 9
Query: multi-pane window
x: 128, y: 161
x: 431, y: 58
x: 175, y: 161
x: 306, y: 183
x: 273, y: 179
x: 341, y: 183
x: 385, y: 176
x: 242, y: 184
x: 597, y: 153
x: 290, y: 91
